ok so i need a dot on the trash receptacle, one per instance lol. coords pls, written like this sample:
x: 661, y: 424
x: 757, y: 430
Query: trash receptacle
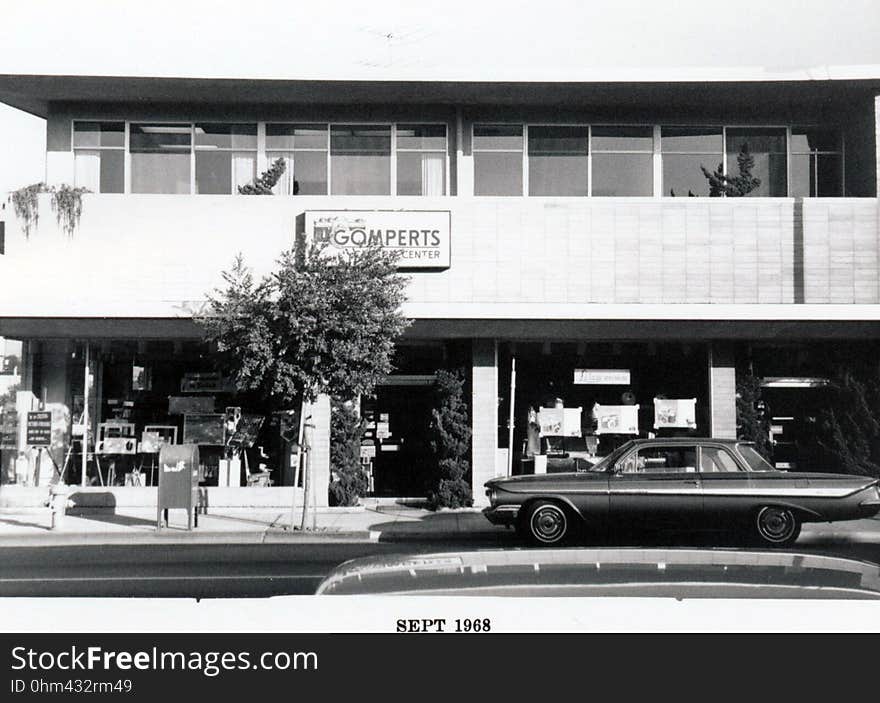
x: 178, y: 482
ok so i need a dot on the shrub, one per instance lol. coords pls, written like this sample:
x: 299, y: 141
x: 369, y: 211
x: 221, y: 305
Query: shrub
x: 348, y: 479
x: 849, y: 427
x: 450, y: 441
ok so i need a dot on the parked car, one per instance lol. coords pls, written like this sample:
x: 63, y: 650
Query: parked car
x: 676, y: 573
x: 686, y: 482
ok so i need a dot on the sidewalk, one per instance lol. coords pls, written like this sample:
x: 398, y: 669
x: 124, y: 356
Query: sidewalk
x: 369, y: 522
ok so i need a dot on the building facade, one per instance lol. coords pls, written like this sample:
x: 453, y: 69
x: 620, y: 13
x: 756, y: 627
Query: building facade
x: 563, y: 245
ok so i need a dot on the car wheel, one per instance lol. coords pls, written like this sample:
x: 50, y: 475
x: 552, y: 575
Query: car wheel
x: 777, y: 526
x: 547, y: 524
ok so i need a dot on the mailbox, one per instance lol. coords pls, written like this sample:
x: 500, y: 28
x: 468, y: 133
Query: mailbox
x: 178, y: 482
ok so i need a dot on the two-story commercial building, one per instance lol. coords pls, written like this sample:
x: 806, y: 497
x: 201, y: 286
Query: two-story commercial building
x: 562, y: 241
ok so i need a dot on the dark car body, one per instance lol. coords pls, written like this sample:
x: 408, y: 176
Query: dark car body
x: 681, y: 482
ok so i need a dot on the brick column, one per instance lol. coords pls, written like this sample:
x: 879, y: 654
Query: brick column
x: 320, y: 458
x: 722, y: 391
x: 484, y: 415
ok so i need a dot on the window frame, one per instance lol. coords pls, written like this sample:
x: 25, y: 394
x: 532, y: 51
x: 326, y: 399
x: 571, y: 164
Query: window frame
x: 524, y: 184
x: 123, y: 148
x: 264, y: 150
x: 395, y: 149
x: 589, y: 157
x: 192, y: 158
x: 233, y: 190
x: 840, y: 152
x: 653, y: 152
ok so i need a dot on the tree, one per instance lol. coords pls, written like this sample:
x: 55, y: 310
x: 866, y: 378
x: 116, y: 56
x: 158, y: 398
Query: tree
x: 849, y: 427
x: 319, y: 324
x: 450, y: 441
x: 266, y: 181
x: 733, y: 186
x: 752, y: 417
x: 349, y: 478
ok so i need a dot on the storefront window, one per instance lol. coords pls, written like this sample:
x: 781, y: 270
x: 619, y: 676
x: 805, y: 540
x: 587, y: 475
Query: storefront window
x: 226, y: 157
x: 421, y: 159
x: 304, y: 150
x: 99, y: 156
x: 623, y: 161
x: 160, y: 158
x: 686, y: 151
x: 767, y: 147
x: 360, y: 157
x: 816, y: 163
x: 558, y: 160
x: 498, y: 159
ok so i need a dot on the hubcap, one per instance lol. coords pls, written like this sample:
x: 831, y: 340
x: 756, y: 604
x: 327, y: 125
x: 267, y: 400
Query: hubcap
x: 548, y: 523
x: 776, y: 524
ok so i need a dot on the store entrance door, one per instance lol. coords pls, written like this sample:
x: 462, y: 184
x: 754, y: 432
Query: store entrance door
x: 398, y: 423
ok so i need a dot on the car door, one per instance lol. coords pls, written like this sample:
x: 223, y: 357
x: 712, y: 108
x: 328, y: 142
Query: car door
x: 728, y: 489
x: 656, y: 486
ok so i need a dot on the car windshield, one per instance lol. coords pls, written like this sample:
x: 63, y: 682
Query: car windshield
x: 755, y: 461
x: 608, y: 461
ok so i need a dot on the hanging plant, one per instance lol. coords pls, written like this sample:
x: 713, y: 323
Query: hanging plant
x: 27, y: 206
x: 67, y: 206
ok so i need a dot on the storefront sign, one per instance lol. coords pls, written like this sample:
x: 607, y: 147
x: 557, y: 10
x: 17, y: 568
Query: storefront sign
x: 205, y: 382
x: 39, y: 429
x: 602, y: 377
x: 616, y: 419
x: 670, y: 412
x: 422, y: 237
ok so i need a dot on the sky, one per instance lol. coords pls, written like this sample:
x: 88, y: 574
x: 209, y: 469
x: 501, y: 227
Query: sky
x: 455, y: 39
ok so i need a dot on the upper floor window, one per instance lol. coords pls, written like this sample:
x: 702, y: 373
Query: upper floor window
x: 226, y: 157
x: 99, y: 156
x: 816, y: 162
x: 767, y: 147
x: 360, y: 159
x: 421, y: 159
x: 623, y: 161
x: 498, y: 159
x: 160, y: 158
x: 558, y: 160
x: 686, y: 151
x: 304, y: 150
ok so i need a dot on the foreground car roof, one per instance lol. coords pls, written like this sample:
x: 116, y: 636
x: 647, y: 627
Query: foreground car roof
x: 609, y: 572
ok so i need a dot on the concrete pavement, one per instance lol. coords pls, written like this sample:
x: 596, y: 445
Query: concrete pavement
x: 372, y: 521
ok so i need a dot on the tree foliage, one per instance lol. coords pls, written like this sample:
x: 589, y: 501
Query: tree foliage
x: 849, y: 427
x: 348, y: 476
x: 733, y: 186
x: 318, y: 324
x: 266, y: 181
x: 752, y: 416
x: 450, y: 441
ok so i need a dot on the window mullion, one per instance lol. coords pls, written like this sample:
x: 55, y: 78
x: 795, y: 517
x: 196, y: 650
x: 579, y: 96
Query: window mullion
x: 525, y: 157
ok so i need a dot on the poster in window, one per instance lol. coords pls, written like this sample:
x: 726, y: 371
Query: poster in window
x: 560, y: 422
x: 616, y: 419
x: 675, y: 413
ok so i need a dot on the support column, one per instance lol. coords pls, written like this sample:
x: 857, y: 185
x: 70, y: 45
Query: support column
x: 484, y: 416
x: 320, y: 458
x: 877, y: 145
x: 722, y: 391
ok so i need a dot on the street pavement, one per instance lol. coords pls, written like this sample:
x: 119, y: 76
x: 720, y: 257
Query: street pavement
x: 248, y: 552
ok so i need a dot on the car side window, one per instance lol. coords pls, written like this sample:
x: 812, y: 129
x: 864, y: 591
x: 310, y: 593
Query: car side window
x: 717, y: 460
x: 661, y: 460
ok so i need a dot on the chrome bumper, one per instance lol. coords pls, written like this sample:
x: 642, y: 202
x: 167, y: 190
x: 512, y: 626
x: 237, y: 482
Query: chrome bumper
x: 501, y: 514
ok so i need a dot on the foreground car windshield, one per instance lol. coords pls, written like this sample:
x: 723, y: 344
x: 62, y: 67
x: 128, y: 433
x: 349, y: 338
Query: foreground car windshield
x: 755, y: 461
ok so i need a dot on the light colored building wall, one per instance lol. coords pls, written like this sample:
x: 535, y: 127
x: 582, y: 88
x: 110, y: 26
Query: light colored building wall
x: 722, y: 391
x: 157, y: 255
x: 484, y: 416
